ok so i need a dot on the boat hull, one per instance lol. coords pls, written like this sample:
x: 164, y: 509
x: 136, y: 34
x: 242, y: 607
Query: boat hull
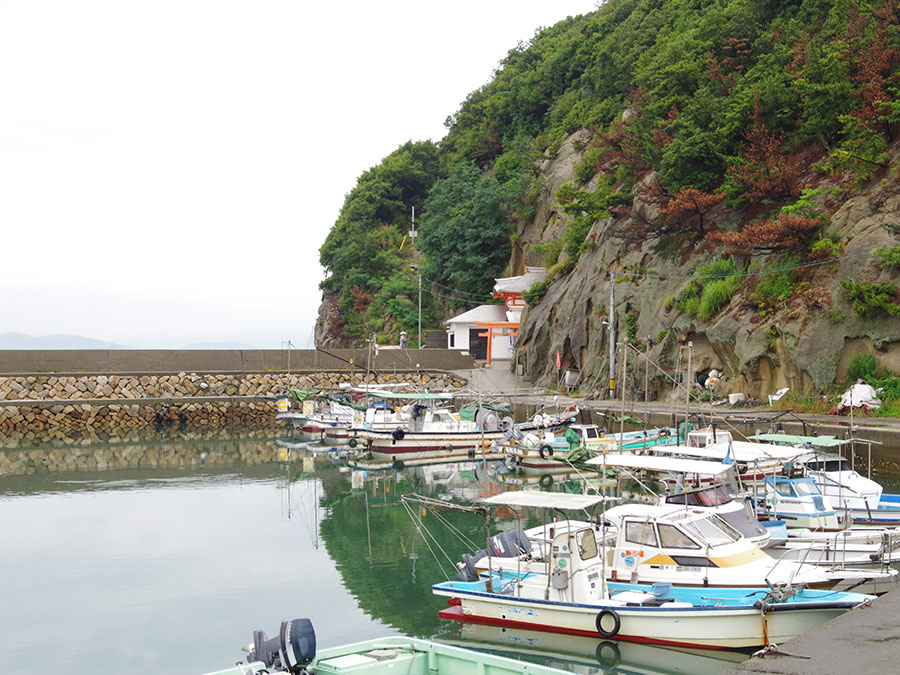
x: 708, y: 627
x: 426, y: 445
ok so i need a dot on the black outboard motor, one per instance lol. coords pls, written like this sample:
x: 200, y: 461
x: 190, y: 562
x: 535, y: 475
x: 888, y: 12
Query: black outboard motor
x: 293, y: 649
x: 466, y: 570
x: 503, y: 545
x: 510, y: 544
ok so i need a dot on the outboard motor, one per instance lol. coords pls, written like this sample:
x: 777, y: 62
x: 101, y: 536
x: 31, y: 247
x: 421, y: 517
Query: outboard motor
x: 292, y: 649
x: 510, y: 544
x: 466, y: 570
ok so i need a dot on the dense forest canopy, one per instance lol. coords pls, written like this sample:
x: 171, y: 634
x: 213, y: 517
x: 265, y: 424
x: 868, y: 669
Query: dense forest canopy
x: 691, y: 106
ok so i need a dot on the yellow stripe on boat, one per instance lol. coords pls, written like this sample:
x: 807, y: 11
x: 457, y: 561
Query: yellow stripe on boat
x: 744, y: 558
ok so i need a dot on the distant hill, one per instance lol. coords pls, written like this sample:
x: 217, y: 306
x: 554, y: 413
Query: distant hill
x: 23, y: 341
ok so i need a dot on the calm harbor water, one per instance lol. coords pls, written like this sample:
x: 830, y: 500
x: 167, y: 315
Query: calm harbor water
x: 164, y: 553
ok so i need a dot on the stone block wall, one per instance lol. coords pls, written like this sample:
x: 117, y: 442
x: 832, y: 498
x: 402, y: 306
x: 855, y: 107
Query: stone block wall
x: 32, y: 403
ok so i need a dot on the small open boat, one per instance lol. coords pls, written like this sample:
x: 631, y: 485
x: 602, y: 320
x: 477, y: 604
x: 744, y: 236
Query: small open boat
x: 293, y: 650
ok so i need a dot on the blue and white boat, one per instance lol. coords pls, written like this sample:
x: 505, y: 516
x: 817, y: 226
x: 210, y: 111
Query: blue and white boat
x: 855, y: 497
x: 573, y: 597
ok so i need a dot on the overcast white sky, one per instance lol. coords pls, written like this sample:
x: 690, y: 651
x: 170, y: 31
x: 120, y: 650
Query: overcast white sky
x: 169, y: 169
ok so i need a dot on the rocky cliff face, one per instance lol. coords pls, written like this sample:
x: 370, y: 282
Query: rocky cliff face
x: 805, y: 343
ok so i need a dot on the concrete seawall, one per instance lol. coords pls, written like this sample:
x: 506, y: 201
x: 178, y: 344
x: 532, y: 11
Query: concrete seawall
x: 155, y: 361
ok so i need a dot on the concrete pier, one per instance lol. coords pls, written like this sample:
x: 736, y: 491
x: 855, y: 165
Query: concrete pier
x: 864, y: 640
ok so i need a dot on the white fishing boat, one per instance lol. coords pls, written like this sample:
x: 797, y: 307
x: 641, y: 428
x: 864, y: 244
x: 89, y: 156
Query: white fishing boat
x: 435, y: 433
x: 690, y: 482
x: 824, y: 544
x: 546, y: 452
x: 678, y: 545
x: 856, y: 548
x: 428, y: 434
x: 798, y: 502
x: 855, y: 497
x: 293, y: 650
x: 861, y: 547
x: 574, y: 599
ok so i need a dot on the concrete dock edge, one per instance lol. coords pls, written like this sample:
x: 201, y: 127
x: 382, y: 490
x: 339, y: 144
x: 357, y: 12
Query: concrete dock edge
x: 864, y: 640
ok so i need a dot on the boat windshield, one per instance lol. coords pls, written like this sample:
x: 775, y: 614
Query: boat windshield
x: 637, y: 532
x: 712, y: 530
x: 806, y: 487
x: 711, y: 496
x: 671, y: 537
x: 587, y: 544
x: 830, y: 465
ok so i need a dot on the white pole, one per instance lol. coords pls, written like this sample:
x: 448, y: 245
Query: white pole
x: 687, y: 387
x: 612, y: 338
x: 420, y: 308
x: 622, y: 385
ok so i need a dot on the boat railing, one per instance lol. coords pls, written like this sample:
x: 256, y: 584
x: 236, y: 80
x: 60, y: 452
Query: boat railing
x: 796, y: 568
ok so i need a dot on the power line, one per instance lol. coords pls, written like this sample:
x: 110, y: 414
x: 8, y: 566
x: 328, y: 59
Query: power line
x: 479, y: 296
x: 748, y: 273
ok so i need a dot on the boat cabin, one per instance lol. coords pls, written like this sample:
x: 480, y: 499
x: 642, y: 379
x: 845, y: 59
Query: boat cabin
x: 682, y: 545
x: 799, y: 502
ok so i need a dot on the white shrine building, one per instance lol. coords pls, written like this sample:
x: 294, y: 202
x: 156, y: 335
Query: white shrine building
x: 489, y: 331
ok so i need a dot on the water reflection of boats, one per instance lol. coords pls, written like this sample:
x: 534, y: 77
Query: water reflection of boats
x: 590, y: 483
x: 290, y: 448
x: 464, y: 456
x: 592, y: 655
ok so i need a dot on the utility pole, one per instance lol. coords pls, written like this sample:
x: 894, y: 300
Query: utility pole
x: 420, y: 308
x: 688, y: 387
x: 622, y: 382
x: 612, y: 338
x: 412, y: 235
x: 647, y: 382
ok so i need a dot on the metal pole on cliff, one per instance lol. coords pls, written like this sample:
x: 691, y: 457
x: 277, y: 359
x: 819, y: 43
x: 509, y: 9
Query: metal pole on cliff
x: 420, y: 310
x: 647, y: 383
x: 622, y: 383
x: 412, y: 235
x: 612, y: 338
x: 687, y: 387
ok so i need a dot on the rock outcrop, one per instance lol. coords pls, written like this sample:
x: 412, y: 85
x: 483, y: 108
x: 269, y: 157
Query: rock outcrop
x: 805, y: 343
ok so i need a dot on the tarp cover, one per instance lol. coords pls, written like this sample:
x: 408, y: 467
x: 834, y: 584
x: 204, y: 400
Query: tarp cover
x: 800, y: 441
x: 860, y: 395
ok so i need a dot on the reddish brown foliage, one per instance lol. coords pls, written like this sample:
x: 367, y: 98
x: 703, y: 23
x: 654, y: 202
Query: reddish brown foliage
x: 785, y: 233
x: 877, y: 70
x: 361, y: 299
x: 488, y: 149
x: 661, y: 135
x: 622, y: 141
x: 728, y: 62
x: 688, y: 207
x: 680, y: 216
x: 336, y: 321
x: 767, y: 173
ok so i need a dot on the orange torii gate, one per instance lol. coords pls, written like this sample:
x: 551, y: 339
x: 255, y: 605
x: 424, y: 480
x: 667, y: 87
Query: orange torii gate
x: 507, y: 328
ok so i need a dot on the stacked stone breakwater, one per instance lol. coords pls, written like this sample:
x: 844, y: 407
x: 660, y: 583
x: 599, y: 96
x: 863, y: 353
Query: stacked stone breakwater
x: 32, y: 403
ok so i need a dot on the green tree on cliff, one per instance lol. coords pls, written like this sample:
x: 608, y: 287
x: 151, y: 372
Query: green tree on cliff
x: 465, y: 230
